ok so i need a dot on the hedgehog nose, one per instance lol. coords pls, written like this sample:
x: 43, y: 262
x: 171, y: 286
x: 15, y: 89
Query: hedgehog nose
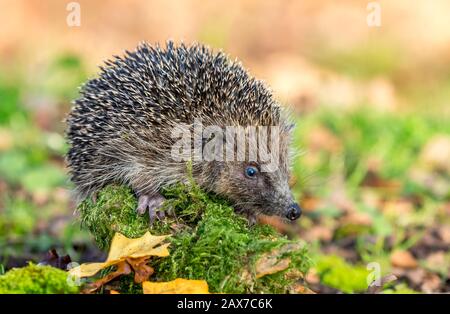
x: 294, y: 211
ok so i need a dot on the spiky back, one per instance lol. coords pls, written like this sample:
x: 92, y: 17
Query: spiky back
x: 137, y: 99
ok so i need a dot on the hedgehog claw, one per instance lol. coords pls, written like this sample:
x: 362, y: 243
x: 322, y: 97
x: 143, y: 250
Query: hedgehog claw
x: 152, y: 203
x: 252, y: 219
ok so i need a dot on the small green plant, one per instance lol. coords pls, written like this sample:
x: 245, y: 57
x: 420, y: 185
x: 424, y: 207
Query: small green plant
x: 35, y: 279
x: 337, y: 273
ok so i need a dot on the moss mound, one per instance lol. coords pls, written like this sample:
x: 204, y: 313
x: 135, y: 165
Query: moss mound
x: 335, y: 272
x: 34, y: 279
x: 209, y: 240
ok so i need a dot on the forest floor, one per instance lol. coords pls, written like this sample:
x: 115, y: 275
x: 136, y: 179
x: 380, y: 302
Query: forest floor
x: 374, y: 185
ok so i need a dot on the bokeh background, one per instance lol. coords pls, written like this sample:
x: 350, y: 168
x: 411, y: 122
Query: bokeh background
x: 372, y: 103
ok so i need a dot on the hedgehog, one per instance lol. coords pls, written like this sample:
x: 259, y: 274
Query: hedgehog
x: 120, y: 130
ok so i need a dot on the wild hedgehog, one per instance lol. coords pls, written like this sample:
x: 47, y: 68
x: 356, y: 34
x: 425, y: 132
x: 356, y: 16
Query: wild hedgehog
x: 120, y: 129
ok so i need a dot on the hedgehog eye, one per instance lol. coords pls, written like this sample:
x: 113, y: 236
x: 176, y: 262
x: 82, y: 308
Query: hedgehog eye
x: 251, y: 172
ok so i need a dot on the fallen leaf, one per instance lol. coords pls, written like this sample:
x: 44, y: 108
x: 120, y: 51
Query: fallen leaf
x: 357, y: 218
x: 377, y: 287
x: 437, y: 261
x: 271, y: 263
x: 374, y: 180
x: 53, y: 259
x: 294, y: 274
x: 318, y: 233
x: 177, y: 286
x: 403, y: 259
x: 123, y: 268
x: 436, y: 153
x: 310, y: 204
x: 312, y: 277
x: 141, y: 270
x: 127, y: 255
x: 123, y: 248
x: 444, y: 234
x: 431, y: 283
x: 322, y: 139
x: 298, y: 288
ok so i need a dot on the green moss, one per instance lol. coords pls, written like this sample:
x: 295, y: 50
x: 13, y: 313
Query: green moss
x: 211, y: 241
x: 400, y: 289
x: 337, y: 273
x: 34, y: 279
x: 114, y: 211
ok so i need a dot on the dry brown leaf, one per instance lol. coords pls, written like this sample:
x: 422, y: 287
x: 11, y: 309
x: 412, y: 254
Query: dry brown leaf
x: 123, y: 248
x: 322, y: 139
x: 271, y: 263
x: 122, y: 269
x: 53, y: 259
x: 436, y: 153
x: 310, y: 204
x: 378, y: 288
x: 415, y: 276
x: 403, y: 259
x: 320, y: 233
x: 437, y: 261
x: 444, y: 233
x: 374, y: 180
x: 177, y: 286
x: 357, y: 218
x: 431, y: 283
x: 141, y: 270
x: 298, y: 288
x: 294, y: 274
x: 312, y: 277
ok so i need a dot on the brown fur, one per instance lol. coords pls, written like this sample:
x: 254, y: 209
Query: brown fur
x: 119, y: 129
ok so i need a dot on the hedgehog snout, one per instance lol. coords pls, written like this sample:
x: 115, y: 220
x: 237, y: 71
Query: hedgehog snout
x: 293, y: 212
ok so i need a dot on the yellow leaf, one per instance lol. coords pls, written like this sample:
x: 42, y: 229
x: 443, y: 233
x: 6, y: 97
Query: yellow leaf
x: 123, y: 268
x: 177, y: 286
x: 123, y: 248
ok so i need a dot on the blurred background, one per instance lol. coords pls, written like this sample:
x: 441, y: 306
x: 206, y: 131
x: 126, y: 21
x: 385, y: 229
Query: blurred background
x: 372, y: 103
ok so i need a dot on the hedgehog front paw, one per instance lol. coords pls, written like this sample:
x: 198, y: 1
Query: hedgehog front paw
x: 153, y: 204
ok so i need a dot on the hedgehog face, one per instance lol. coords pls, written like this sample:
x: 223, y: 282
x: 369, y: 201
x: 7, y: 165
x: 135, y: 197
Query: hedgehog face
x: 253, y: 191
